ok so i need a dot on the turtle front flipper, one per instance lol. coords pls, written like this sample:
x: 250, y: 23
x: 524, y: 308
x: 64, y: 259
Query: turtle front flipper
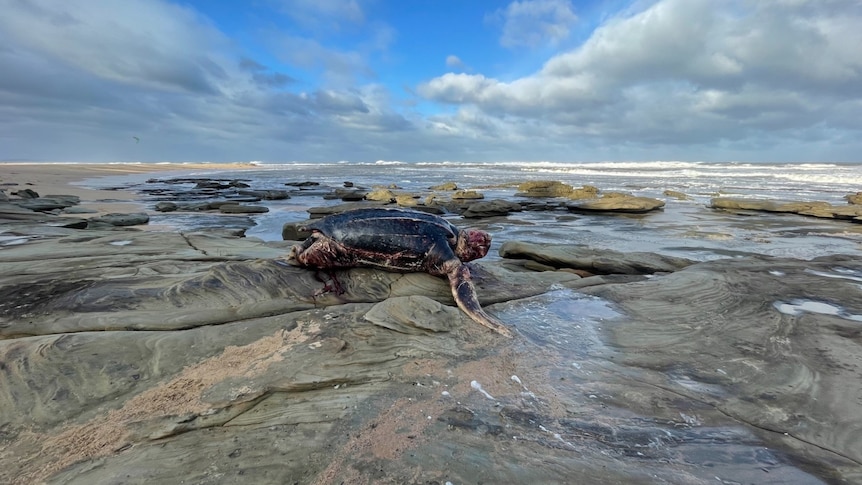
x: 466, y: 299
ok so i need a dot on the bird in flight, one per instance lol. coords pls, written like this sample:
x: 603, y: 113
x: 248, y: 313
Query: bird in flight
x: 137, y: 140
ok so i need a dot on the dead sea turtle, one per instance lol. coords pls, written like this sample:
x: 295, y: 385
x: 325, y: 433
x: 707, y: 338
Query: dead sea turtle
x: 403, y: 241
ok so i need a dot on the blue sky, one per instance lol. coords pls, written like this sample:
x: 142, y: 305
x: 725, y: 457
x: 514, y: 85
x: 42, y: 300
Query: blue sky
x: 366, y: 80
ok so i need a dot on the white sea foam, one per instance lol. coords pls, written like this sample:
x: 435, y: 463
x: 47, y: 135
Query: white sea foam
x: 478, y: 387
x: 13, y: 240
x: 798, y: 307
x: 840, y: 273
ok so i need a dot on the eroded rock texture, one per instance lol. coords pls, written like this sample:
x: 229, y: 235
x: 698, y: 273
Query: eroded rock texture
x: 134, y: 357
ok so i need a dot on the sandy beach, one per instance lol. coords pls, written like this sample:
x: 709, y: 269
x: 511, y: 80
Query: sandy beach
x: 58, y: 179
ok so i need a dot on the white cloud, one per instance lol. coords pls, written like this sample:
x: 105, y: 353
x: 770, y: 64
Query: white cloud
x: 454, y: 62
x: 534, y: 22
x: 458, y: 88
x: 687, y: 71
x: 152, y: 44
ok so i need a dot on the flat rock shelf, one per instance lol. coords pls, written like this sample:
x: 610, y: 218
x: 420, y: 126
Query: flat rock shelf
x: 141, y: 357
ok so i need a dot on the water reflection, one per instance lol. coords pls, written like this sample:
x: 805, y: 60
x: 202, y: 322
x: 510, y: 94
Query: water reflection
x: 643, y: 419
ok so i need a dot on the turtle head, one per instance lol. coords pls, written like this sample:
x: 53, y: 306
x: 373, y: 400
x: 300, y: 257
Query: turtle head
x: 472, y: 244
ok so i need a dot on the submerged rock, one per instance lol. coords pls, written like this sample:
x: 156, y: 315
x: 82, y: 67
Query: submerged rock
x: 677, y: 195
x: 242, y: 209
x: 266, y: 194
x: 447, y: 186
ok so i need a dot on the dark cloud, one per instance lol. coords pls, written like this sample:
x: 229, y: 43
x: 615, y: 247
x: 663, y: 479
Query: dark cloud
x: 339, y: 102
x: 263, y: 76
x: 251, y: 65
x: 272, y: 79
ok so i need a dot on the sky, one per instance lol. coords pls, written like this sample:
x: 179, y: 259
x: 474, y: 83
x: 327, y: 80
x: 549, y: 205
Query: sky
x: 431, y: 80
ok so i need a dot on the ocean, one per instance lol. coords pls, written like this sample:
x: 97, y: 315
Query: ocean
x: 687, y: 228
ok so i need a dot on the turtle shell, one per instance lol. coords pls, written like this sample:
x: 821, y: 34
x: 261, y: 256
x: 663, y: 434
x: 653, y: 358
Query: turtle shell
x: 390, y: 238
x: 388, y: 232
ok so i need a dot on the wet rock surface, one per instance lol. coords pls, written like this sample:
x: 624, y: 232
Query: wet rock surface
x: 851, y: 212
x: 616, y: 203
x: 544, y: 188
x: 122, y: 220
x: 595, y: 261
x: 491, y: 208
x: 141, y: 357
x: 32, y: 208
x: 210, y: 203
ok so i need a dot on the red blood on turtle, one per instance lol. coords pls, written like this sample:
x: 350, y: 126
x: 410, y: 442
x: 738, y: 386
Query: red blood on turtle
x: 403, y: 241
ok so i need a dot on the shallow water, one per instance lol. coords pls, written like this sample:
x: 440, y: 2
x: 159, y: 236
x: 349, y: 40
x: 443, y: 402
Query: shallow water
x: 562, y: 319
x: 572, y: 363
x: 683, y: 228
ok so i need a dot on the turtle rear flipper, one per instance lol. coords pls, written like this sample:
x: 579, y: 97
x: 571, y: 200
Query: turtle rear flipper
x: 465, y: 297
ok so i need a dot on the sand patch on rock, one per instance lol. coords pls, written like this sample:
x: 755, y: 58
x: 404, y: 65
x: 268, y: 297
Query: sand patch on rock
x: 180, y: 396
